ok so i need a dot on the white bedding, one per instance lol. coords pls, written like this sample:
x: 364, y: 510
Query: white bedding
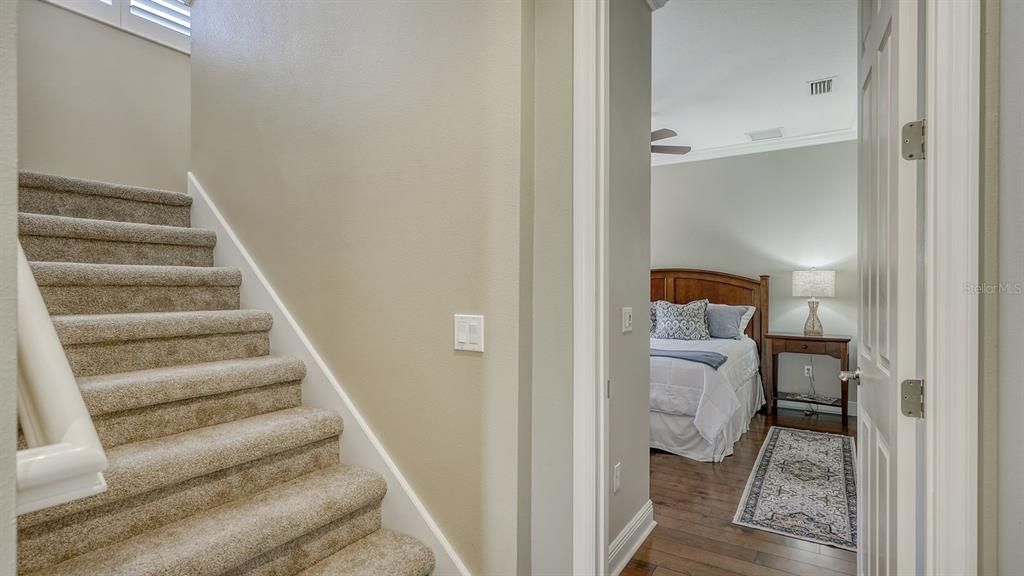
x: 711, y: 397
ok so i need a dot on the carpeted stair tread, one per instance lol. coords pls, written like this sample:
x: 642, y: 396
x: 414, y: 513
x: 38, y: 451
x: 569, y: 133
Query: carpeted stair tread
x: 383, y: 552
x: 113, y: 231
x: 217, y: 540
x: 52, y: 542
x: 94, y: 328
x: 152, y: 464
x: 109, y: 393
x: 80, y: 288
x: 56, y: 183
x: 84, y: 274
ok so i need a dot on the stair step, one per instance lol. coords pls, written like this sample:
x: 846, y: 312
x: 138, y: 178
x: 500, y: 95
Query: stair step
x: 111, y: 393
x: 63, y: 239
x: 228, y: 536
x: 110, y: 343
x: 82, y: 288
x: 78, y: 198
x: 145, y: 404
x: 313, y: 546
x: 60, y: 538
x: 153, y: 464
x: 383, y: 552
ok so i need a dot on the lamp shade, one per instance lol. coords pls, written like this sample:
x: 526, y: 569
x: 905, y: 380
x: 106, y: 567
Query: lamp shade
x: 814, y: 283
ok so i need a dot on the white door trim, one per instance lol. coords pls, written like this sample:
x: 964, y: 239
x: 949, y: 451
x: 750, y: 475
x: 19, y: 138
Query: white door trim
x: 589, y: 198
x: 952, y: 79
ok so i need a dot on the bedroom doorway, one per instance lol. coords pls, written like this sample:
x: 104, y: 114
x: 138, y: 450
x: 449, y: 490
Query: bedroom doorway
x: 694, y: 518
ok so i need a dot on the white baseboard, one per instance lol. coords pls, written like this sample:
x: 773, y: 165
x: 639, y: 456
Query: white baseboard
x: 851, y: 407
x: 629, y: 540
x: 402, y: 509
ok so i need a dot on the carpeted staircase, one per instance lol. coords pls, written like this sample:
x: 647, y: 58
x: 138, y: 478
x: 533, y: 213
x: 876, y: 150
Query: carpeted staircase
x: 215, y: 465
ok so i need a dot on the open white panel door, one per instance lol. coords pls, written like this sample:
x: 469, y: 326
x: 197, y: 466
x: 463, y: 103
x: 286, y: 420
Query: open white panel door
x: 889, y: 318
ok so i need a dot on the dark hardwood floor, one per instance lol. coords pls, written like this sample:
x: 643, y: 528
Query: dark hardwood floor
x: 694, y: 503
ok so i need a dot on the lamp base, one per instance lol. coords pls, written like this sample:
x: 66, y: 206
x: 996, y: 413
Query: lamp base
x: 813, y: 325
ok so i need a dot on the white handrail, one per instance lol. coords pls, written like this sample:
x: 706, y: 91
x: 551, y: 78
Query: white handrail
x: 65, y: 460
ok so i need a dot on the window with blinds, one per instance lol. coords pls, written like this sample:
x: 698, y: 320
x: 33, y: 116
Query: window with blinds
x: 171, y: 14
x: 167, y: 22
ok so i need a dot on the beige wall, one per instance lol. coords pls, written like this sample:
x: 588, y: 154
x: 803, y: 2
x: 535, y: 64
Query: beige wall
x: 8, y: 279
x: 368, y: 154
x: 99, y: 103
x: 629, y: 257
x: 769, y: 213
x: 551, y: 520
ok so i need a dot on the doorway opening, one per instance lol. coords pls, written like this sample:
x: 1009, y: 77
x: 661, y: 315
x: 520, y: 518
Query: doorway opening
x: 754, y: 289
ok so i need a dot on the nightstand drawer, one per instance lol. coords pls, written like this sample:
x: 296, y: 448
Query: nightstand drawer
x: 805, y: 347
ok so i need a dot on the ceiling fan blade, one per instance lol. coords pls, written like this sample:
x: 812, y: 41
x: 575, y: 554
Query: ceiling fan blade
x: 662, y: 134
x: 670, y: 149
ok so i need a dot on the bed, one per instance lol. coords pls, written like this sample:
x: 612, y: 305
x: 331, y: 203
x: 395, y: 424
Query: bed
x: 698, y: 411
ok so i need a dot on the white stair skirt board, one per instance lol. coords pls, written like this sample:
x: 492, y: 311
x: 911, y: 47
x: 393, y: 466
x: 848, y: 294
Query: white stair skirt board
x: 851, y: 407
x: 402, y: 509
x: 629, y: 540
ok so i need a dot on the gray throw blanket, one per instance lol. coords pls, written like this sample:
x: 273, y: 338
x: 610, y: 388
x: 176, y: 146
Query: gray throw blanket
x: 713, y: 359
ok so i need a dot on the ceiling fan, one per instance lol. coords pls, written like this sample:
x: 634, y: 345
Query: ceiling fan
x: 661, y: 149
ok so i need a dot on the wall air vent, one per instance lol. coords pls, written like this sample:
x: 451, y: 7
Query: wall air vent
x: 820, y: 86
x: 765, y: 134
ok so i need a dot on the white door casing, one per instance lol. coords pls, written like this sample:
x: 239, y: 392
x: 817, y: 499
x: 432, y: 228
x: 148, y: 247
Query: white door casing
x: 890, y: 289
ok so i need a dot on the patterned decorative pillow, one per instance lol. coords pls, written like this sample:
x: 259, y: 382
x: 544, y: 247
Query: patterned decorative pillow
x: 654, y: 317
x: 681, y: 321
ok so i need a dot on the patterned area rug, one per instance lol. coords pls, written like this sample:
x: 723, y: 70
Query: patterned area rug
x: 803, y: 485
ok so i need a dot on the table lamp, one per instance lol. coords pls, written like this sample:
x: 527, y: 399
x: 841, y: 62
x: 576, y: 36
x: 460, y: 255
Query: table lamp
x: 813, y: 284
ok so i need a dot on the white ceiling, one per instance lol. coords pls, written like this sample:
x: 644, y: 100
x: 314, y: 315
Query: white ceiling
x: 722, y: 68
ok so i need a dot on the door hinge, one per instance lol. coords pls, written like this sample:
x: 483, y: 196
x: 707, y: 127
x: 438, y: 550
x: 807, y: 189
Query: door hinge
x: 608, y: 389
x: 913, y: 140
x: 912, y: 398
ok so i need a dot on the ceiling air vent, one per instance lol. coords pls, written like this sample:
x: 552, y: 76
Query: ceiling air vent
x: 821, y: 86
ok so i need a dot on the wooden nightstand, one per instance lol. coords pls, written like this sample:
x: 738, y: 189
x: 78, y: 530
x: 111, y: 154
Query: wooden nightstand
x: 828, y: 345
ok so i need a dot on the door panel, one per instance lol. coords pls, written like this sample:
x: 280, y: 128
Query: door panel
x: 887, y: 224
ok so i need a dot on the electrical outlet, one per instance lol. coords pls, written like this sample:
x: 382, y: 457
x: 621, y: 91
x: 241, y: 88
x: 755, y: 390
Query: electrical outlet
x: 808, y: 371
x: 617, y: 478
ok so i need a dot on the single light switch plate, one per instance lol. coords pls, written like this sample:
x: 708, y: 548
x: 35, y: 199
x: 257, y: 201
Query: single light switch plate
x: 627, y: 319
x: 617, y: 478
x: 469, y: 332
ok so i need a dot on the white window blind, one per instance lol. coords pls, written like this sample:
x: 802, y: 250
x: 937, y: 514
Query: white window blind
x: 171, y: 14
x: 167, y: 22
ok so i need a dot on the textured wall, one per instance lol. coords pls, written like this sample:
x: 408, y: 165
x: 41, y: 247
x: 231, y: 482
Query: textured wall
x: 8, y: 279
x: 629, y: 257
x: 368, y: 154
x: 769, y: 213
x: 98, y: 102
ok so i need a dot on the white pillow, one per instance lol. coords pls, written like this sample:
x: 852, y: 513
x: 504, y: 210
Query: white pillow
x: 747, y: 317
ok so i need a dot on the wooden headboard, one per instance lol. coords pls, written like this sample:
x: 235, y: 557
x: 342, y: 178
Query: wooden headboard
x: 680, y: 286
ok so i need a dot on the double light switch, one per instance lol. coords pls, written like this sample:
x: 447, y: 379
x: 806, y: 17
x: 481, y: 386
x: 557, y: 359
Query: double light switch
x: 469, y: 332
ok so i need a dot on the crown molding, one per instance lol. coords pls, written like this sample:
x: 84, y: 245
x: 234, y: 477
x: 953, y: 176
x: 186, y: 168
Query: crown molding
x: 784, y: 143
x: 655, y: 4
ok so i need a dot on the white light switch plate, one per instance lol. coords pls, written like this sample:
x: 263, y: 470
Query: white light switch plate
x: 469, y: 332
x: 627, y: 319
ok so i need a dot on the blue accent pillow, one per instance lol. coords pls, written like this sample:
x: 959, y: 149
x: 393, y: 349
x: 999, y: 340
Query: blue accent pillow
x: 681, y: 321
x: 728, y: 321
